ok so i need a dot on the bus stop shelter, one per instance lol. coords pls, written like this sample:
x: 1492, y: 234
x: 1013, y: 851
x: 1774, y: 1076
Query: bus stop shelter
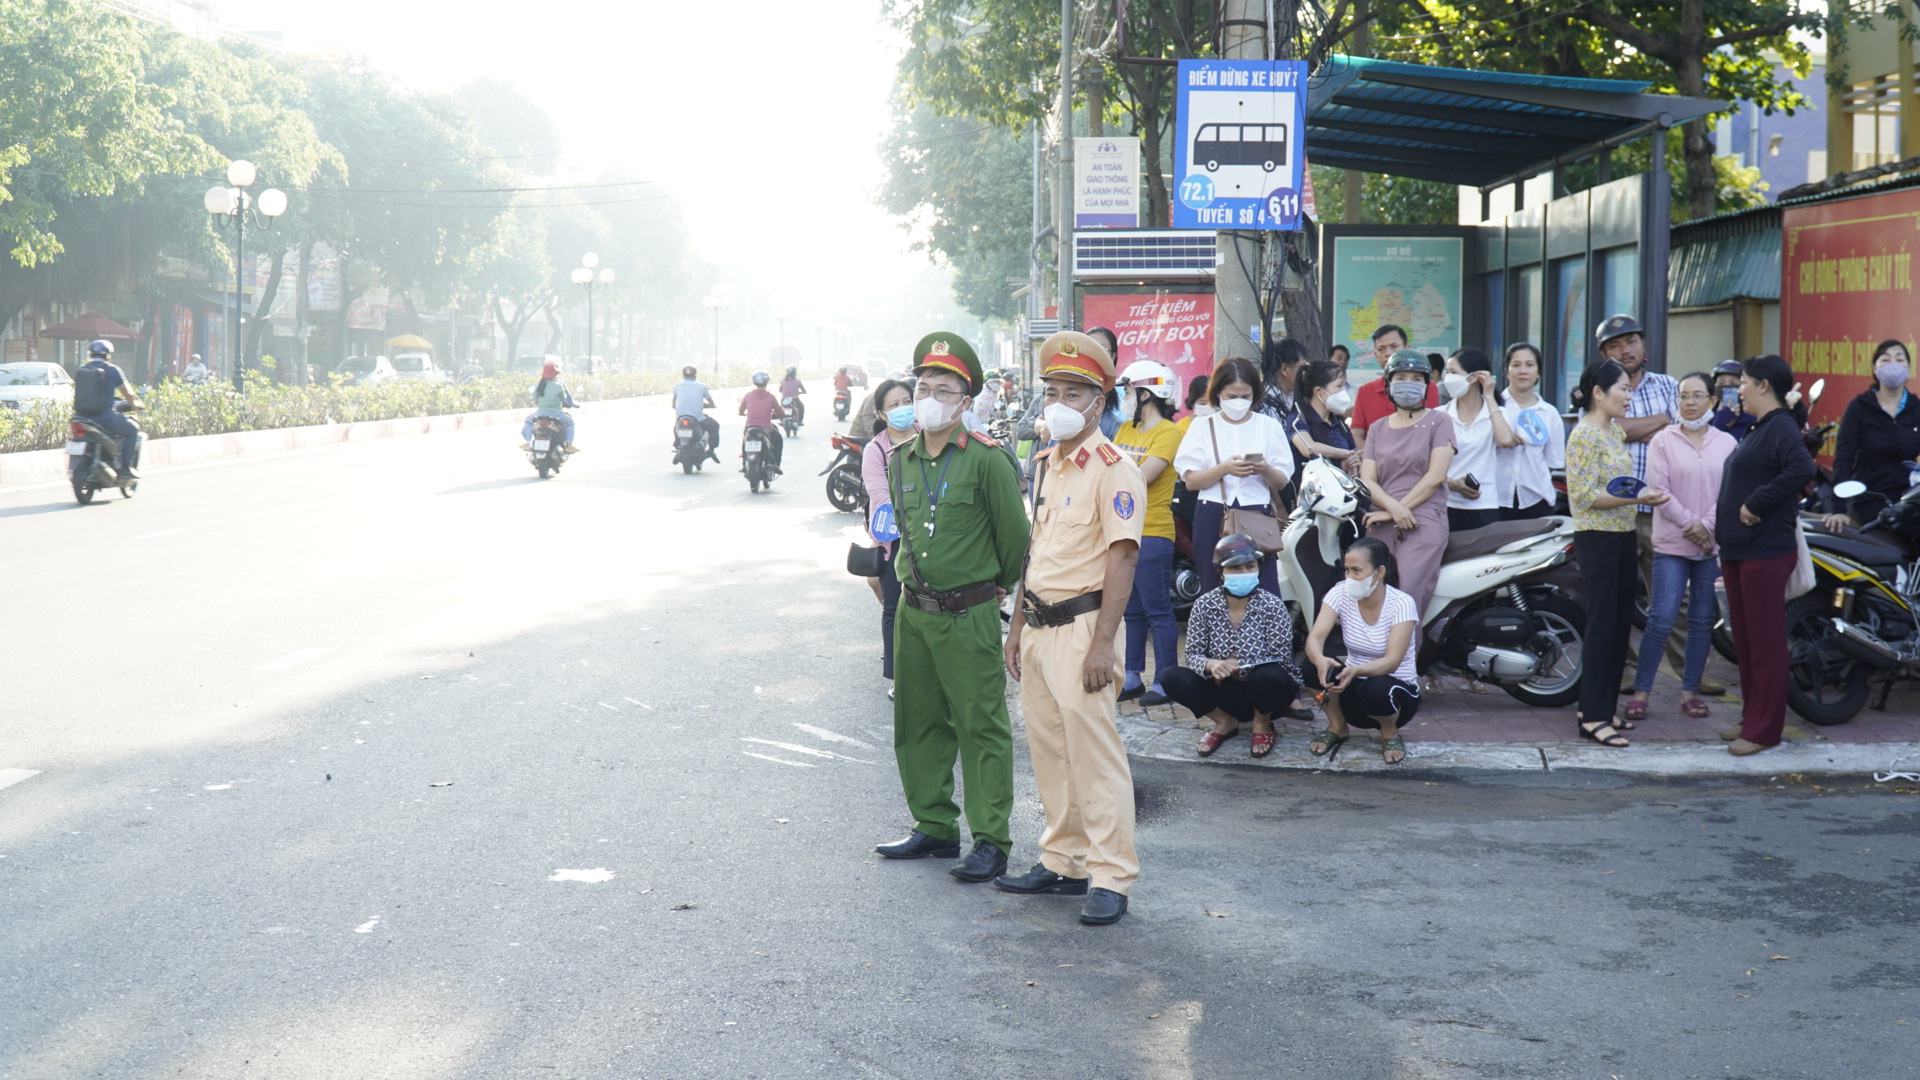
x: 1491, y: 131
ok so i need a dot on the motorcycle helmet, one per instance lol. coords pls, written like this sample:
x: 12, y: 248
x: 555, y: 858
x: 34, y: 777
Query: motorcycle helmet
x: 100, y: 347
x: 688, y: 372
x: 1408, y: 360
x: 550, y: 370
x: 792, y: 371
x: 1236, y: 550
x: 760, y: 378
x: 1728, y: 367
x: 1615, y: 326
x: 1150, y: 375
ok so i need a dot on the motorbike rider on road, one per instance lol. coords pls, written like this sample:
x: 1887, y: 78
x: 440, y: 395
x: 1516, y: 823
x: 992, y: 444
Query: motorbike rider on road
x: 550, y: 398
x: 94, y: 385
x: 792, y: 387
x: 197, y: 372
x: 692, y: 398
x: 761, y: 410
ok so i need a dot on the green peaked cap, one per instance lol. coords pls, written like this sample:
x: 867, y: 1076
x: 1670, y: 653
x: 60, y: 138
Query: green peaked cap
x: 943, y: 351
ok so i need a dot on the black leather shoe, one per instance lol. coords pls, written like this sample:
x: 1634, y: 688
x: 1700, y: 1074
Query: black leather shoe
x: 1042, y: 880
x: 984, y: 863
x: 919, y: 845
x: 1129, y: 695
x: 1153, y: 697
x: 1292, y: 713
x: 1104, y: 906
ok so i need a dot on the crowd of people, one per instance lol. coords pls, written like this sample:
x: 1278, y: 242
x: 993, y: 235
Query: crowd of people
x: 1674, y: 483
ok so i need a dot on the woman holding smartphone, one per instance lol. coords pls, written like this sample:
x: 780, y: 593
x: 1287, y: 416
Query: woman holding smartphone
x: 1235, y: 458
x: 1480, y: 432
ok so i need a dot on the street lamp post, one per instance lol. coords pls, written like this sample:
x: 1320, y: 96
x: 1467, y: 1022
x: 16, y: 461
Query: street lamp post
x: 584, y: 275
x: 716, y: 302
x: 238, y: 206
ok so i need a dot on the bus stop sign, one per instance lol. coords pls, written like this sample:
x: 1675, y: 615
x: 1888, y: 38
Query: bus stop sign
x: 1239, y: 159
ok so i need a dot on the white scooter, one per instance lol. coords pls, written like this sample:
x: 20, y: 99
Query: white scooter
x: 1508, y: 607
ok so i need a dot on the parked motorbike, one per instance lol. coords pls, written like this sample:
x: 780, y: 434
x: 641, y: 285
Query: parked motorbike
x: 93, y: 458
x: 689, y: 443
x: 1508, y: 608
x: 791, y: 422
x: 846, y: 489
x: 1859, y: 622
x: 756, y: 462
x: 548, y: 447
x: 842, y: 403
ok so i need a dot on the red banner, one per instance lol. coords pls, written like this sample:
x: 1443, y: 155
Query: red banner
x: 1172, y: 327
x: 1847, y: 284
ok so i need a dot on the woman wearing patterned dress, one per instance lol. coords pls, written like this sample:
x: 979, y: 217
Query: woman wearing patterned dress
x: 1239, y: 665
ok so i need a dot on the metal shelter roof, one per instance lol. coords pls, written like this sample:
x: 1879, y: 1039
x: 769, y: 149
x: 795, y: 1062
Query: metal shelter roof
x: 1475, y: 128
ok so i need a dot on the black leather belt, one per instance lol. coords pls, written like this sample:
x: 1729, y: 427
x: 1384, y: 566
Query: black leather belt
x: 1062, y: 613
x: 957, y: 602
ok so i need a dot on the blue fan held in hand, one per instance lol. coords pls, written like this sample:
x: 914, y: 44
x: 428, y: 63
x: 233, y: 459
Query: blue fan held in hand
x: 1625, y: 487
x: 885, y: 528
x: 1532, y: 428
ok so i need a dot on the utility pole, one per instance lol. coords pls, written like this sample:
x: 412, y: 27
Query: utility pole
x: 1352, y: 203
x: 1063, y: 166
x: 1236, y: 292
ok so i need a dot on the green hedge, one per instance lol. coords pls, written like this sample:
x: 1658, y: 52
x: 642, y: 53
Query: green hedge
x: 175, y: 409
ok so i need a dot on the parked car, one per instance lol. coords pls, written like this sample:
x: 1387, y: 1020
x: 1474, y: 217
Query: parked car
x: 419, y: 367
x: 24, y: 385
x: 367, y: 371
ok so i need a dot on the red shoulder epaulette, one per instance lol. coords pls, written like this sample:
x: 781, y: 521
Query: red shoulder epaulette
x: 1108, y: 454
x: 985, y: 440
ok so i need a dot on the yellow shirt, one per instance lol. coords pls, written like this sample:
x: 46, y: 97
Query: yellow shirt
x: 1089, y: 501
x: 1162, y: 441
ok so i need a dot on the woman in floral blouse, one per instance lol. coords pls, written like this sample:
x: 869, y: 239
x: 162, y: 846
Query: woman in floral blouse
x: 1239, y: 665
x: 1604, y: 540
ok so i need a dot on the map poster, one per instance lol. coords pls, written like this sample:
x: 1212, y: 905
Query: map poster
x: 1417, y: 283
x: 1175, y: 328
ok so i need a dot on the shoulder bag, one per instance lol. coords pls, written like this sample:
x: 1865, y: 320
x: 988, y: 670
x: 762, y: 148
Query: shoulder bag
x: 1264, y: 529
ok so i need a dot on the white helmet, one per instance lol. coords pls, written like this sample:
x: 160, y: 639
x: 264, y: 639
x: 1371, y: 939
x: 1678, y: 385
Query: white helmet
x: 1150, y: 375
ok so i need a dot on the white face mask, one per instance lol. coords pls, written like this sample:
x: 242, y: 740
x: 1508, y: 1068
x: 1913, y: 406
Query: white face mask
x: 1340, y: 402
x: 1361, y: 588
x: 1203, y: 409
x: 1456, y: 385
x: 1063, y: 420
x: 1236, y: 408
x: 1129, y: 406
x: 1696, y: 424
x: 933, y: 415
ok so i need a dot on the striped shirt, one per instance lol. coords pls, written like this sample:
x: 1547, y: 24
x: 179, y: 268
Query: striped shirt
x: 1657, y: 395
x: 1367, y: 642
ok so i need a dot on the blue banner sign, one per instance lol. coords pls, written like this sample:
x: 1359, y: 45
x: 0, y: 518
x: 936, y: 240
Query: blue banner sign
x: 1239, y: 159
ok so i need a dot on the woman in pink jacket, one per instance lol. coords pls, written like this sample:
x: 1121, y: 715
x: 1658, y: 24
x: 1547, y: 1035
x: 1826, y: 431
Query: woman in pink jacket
x: 1685, y: 461
x: 893, y: 403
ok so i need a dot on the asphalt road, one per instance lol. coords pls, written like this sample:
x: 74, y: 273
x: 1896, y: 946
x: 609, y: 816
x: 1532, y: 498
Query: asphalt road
x: 318, y: 731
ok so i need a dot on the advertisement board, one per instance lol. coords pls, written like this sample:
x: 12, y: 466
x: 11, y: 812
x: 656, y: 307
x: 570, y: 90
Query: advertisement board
x: 1846, y: 284
x: 1417, y: 283
x: 1239, y: 156
x: 1106, y: 183
x: 1175, y: 328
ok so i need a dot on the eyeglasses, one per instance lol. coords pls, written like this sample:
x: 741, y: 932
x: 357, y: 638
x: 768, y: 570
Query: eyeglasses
x: 939, y: 394
x: 1696, y: 395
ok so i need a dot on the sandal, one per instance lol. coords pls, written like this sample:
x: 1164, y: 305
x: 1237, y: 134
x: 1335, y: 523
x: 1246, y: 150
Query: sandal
x: 1211, y: 741
x: 1695, y: 708
x: 1327, y: 739
x: 1262, y: 743
x: 1636, y: 710
x: 1593, y: 732
x: 1388, y: 746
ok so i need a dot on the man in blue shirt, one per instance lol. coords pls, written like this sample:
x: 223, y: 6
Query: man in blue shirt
x: 94, y: 385
x: 691, y: 398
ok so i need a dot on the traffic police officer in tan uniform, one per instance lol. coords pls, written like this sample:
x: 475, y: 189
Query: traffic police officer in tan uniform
x: 1090, y: 510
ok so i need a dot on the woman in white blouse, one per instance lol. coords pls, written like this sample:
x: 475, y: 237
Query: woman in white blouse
x: 1373, y: 685
x: 1233, y: 458
x: 1480, y: 431
x: 1526, y: 469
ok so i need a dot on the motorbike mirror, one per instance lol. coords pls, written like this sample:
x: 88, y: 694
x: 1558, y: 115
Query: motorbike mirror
x: 1849, y: 489
x: 1819, y: 387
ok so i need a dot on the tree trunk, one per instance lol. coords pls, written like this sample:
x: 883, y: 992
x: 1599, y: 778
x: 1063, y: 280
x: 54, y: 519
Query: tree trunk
x: 303, y: 315
x: 1702, y: 185
x: 264, y: 307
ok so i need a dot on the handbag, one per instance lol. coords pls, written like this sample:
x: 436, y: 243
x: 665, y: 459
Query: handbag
x: 1263, y: 529
x: 1800, y: 582
x: 864, y: 561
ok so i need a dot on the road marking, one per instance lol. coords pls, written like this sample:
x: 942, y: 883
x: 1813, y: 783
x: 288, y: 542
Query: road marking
x: 367, y: 927
x: 293, y: 659
x: 783, y: 761
x: 10, y: 777
x: 597, y: 874
x: 798, y: 749
x: 832, y: 736
x: 642, y: 704
x: 161, y: 533
x: 604, y: 705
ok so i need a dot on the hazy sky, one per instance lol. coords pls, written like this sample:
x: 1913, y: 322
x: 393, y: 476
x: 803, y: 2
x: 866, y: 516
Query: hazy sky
x: 762, y: 116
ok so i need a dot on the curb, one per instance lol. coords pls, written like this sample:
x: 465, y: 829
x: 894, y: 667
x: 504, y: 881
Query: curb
x: 50, y: 466
x: 1174, y: 741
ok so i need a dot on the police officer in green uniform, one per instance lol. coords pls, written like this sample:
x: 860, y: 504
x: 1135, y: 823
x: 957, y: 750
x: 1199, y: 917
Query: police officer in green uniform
x: 963, y: 534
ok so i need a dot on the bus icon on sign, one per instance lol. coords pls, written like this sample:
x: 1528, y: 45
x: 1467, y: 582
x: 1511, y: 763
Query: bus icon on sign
x: 1264, y: 145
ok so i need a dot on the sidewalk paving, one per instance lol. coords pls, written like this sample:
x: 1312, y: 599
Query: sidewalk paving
x: 1494, y: 731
